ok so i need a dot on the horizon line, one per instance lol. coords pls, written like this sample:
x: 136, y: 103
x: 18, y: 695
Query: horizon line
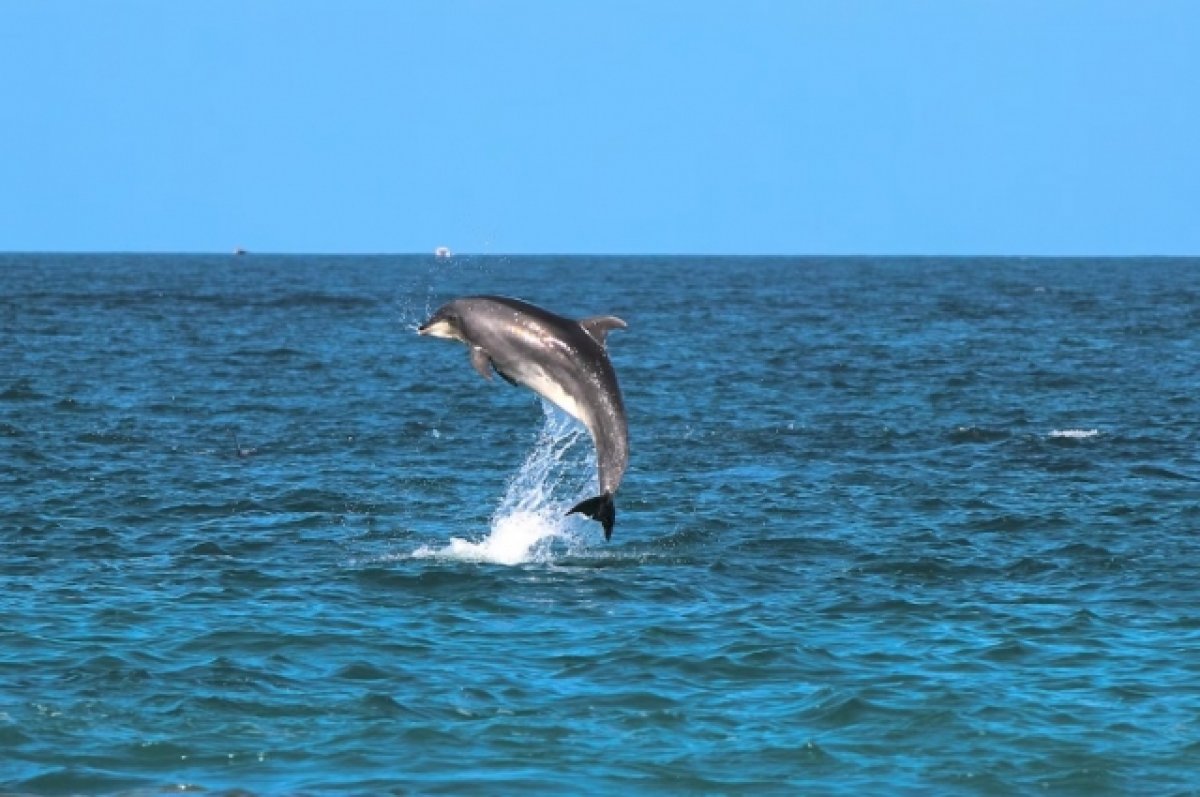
x: 241, y: 252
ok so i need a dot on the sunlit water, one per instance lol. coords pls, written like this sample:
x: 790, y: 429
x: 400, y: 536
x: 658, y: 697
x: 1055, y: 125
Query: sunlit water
x: 890, y: 526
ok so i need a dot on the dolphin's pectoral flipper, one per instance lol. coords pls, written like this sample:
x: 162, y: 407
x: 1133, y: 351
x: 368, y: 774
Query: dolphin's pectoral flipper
x: 482, y: 362
x: 506, y: 377
x: 600, y: 508
x: 598, y: 326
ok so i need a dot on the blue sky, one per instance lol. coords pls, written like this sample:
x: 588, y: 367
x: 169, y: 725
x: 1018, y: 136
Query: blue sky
x: 788, y: 127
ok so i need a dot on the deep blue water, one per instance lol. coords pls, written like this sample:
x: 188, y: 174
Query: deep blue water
x: 900, y: 526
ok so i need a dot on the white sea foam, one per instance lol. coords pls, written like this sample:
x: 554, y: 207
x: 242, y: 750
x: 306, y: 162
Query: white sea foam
x: 530, y: 521
x: 1075, y: 434
x: 514, y: 539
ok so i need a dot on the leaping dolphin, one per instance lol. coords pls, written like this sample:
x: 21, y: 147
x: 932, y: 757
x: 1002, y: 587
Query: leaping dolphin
x: 562, y: 360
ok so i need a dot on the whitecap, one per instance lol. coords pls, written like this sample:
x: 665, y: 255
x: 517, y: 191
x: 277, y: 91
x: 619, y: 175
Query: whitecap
x: 1075, y: 434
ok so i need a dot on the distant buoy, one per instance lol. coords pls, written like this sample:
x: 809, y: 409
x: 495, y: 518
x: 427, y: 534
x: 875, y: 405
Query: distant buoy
x: 442, y: 252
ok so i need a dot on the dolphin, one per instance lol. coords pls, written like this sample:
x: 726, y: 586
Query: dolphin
x: 562, y: 360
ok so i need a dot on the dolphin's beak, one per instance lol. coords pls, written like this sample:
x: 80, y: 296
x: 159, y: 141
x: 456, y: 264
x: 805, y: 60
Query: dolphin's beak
x: 438, y: 328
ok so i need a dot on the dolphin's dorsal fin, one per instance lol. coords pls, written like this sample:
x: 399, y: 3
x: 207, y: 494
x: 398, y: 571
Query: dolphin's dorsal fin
x: 482, y: 362
x: 598, y: 326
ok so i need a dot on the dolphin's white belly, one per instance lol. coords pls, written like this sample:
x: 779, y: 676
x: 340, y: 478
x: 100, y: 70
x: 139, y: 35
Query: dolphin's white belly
x: 540, y: 382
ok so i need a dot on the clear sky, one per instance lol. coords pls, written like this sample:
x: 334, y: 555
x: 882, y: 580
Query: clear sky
x: 651, y: 126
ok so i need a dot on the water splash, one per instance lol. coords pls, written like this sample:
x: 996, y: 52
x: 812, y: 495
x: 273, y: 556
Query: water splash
x: 438, y: 280
x: 530, y: 523
x: 422, y: 281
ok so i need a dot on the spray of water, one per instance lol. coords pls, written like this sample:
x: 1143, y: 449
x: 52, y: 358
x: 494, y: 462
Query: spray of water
x: 421, y: 281
x: 530, y: 523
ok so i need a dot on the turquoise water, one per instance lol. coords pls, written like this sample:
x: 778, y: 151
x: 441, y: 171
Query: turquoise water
x: 899, y: 526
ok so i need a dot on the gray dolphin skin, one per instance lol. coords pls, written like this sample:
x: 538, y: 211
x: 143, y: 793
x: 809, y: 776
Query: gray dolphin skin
x: 563, y: 361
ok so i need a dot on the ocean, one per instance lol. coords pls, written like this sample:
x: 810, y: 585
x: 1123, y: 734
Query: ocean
x: 890, y: 526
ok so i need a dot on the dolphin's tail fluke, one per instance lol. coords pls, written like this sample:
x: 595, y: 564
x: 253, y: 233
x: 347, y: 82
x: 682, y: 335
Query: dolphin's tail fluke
x: 599, y: 508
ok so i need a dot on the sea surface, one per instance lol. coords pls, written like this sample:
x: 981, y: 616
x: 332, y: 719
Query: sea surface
x: 891, y: 526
